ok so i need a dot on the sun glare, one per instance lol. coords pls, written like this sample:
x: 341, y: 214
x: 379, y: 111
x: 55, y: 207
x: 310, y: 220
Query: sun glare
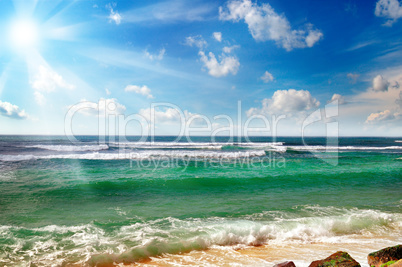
x: 23, y: 34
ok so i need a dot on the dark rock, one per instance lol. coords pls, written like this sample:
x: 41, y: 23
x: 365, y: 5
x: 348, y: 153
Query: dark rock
x: 385, y: 255
x: 285, y: 264
x: 340, y: 258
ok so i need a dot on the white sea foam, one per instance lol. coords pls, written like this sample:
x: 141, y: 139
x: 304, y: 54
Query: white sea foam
x: 335, y: 148
x: 141, y: 154
x: 325, y: 225
x: 398, y: 141
x: 192, y: 145
x: 72, y: 148
x: 17, y: 157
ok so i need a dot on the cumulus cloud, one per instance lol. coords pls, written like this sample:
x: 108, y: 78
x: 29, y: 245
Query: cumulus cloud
x: 353, y: 77
x: 288, y: 102
x: 265, y: 24
x: 383, y: 116
x: 196, y: 41
x: 380, y: 84
x: 48, y: 80
x: 12, y: 111
x: 220, y: 67
x: 158, y: 56
x: 142, y: 90
x: 228, y: 64
x: 217, y: 36
x: 267, y: 77
x: 390, y: 9
x: 103, y: 108
x: 340, y: 98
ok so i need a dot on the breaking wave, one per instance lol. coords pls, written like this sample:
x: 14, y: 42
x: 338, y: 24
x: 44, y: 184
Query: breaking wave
x: 335, y: 148
x: 71, y: 148
x: 139, y: 155
x: 93, y: 245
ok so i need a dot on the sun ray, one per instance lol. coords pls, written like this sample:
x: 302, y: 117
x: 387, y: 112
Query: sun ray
x: 130, y: 59
x: 24, y: 8
x: 59, y: 8
x: 3, y: 78
x: 63, y: 33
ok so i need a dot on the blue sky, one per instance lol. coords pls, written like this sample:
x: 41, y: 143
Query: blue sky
x: 198, y: 59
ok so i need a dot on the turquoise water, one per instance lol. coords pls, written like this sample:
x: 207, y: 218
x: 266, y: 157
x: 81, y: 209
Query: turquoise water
x: 92, y: 202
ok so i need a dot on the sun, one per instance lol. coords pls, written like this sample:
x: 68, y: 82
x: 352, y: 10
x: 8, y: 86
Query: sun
x: 23, y: 34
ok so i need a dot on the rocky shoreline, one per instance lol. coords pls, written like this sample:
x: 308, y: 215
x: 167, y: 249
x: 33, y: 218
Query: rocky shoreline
x: 387, y: 257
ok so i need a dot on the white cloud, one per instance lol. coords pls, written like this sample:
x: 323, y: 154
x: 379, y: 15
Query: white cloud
x: 380, y: 84
x: 383, y: 116
x: 161, y: 116
x: 227, y: 64
x: 12, y: 111
x: 167, y: 115
x: 313, y: 37
x: 399, y: 101
x: 390, y: 9
x: 107, y: 91
x: 216, y: 67
x: 265, y: 24
x: 171, y: 11
x: 267, y: 77
x: 39, y: 98
x: 360, y: 45
x: 103, y: 108
x: 217, y: 36
x: 229, y: 49
x: 378, y: 105
x: 353, y: 77
x: 288, y: 102
x: 142, y: 90
x: 48, y: 80
x: 382, y: 95
x: 158, y: 56
x: 341, y: 99
x: 114, y: 16
x: 196, y: 41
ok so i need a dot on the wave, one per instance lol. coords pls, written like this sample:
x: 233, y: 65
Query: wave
x: 144, y: 239
x: 337, y: 148
x: 71, y: 148
x: 141, y: 155
x: 267, y: 146
x: 398, y: 141
x: 192, y: 145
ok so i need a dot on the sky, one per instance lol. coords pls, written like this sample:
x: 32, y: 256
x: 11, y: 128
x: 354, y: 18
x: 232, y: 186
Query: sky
x: 235, y: 67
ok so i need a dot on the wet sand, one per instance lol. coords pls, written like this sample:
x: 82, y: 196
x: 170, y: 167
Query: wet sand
x: 268, y: 255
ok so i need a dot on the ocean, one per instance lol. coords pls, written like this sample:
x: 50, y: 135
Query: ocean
x: 201, y: 202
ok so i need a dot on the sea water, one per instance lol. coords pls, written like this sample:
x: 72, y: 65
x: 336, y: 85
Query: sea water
x: 166, y: 201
